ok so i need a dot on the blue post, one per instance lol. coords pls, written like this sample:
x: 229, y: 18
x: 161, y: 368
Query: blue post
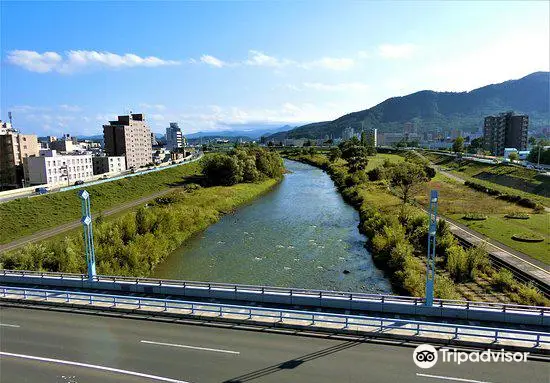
x: 88, y: 234
x: 430, y: 262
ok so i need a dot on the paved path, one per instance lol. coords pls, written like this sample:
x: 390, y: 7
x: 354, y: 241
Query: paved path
x: 176, y: 352
x: 44, y: 234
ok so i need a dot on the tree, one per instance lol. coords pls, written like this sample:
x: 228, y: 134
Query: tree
x: 458, y: 145
x: 513, y: 157
x: 334, y: 154
x: 221, y: 169
x: 532, y: 141
x: 356, y: 156
x: 407, y: 178
x: 475, y: 145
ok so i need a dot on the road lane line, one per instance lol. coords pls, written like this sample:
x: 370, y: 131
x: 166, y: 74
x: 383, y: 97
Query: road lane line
x: 451, y: 378
x: 191, y: 347
x: 9, y: 325
x: 93, y: 366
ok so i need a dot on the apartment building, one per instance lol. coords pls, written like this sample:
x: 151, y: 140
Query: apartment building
x: 174, y: 137
x: 108, y: 164
x: 129, y: 136
x: 51, y: 167
x: 14, y: 148
x: 505, y: 131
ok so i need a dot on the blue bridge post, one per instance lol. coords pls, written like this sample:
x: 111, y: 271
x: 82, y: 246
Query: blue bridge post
x: 88, y: 233
x: 430, y: 261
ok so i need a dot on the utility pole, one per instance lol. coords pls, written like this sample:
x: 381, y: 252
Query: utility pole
x: 88, y: 233
x: 430, y: 261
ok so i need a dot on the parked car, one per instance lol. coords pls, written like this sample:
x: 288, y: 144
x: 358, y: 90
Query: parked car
x: 79, y: 182
x: 41, y: 190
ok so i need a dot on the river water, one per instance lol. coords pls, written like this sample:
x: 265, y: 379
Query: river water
x: 301, y: 234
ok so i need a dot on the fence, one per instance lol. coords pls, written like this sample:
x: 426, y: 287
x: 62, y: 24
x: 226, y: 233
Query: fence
x: 292, y: 317
x: 471, y: 310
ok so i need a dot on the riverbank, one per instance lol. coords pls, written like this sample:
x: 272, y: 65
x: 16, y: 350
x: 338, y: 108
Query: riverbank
x: 134, y: 243
x: 26, y: 216
x: 398, y: 235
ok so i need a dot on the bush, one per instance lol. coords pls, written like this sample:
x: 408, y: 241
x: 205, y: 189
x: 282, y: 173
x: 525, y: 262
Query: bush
x: 517, y: 215
x: 504, y: 280
x: 376, y: 174
x: 475, y: 217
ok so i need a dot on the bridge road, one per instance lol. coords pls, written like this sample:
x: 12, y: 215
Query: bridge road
x: 194, y: 353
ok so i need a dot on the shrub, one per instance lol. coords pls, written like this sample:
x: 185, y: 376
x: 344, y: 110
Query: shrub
x: 444, y: 288
x: 475, y: 217
x: 517, y: 215
x: 504, y: 280
x: 527, y: 237
x: 376, y: 174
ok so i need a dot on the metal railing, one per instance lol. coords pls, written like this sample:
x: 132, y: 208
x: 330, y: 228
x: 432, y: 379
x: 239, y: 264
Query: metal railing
x: 283, y: 291
x: 291, y: 317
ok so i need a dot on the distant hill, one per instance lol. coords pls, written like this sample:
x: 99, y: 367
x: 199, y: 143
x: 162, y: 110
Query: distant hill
x: 249, y: 133
x: 429, y: 110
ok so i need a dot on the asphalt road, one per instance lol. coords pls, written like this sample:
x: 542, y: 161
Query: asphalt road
x: 193, y: 353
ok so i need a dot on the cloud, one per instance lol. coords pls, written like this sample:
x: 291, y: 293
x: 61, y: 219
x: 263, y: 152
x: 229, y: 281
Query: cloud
x: 396, y: 51
x: 343, y: 86
x: 158, y: 107
x: 212, y: 61
x: 257, y: 58
x: 76, y: 60
x: 330, y: 63
x: 70, y: 108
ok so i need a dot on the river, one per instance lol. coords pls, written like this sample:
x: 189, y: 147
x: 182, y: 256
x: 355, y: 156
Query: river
x: 301, y: 234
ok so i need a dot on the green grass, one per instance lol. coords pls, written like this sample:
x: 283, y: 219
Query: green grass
x: 25, y: 216
x: 508, y: 179
x: 501, y: 229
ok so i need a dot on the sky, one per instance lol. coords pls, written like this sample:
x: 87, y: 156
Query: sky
x: 70, y: 67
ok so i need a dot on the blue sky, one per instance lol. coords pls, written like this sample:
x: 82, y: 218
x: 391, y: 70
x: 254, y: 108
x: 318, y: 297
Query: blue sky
x: 69, y: 67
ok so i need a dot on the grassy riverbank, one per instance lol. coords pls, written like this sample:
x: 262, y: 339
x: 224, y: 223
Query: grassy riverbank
x: 25, y: 216
x: 135, y: 242
x: 398, y: 241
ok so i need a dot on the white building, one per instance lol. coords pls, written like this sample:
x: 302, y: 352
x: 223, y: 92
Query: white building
x: 53, y: 168
x: 108, y: 164
x: 174, y: 137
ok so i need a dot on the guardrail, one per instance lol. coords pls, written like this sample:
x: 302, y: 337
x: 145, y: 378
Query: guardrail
x: 292, y: 317
x: 471, y: 310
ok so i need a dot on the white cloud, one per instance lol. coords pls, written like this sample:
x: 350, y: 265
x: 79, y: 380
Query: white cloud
x: 256, y: 58
x: 396, y: 51
x: 158, y: 107
x: 156, y: 117
x: 331, y: 63
x: 80, y: 59
x: 343, y: 86
x: 70, y: 108
x: 212, y: 61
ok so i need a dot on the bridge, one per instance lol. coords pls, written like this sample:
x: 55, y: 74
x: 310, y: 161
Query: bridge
x: 132, y: 329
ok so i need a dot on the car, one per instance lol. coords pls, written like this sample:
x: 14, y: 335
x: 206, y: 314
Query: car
x: 41, y: 190
x: 79, y: 182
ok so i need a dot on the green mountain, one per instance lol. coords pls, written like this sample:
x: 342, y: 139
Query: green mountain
x: 429, y: 110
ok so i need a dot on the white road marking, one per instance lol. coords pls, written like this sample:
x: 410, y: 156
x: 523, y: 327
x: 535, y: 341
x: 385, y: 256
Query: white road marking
x: 94, y: 366
x: 9, y: 325
x: 191, y: 347
x: 451, y: 378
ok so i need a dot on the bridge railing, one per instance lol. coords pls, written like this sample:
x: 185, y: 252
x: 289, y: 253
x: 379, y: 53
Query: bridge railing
x: 295, y: 317
x: 286, y: 292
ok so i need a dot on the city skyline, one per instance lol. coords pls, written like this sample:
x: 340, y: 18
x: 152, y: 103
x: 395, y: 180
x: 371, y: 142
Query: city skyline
x: 217, y: 66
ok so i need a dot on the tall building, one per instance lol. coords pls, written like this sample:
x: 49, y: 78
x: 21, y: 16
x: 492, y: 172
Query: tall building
x: 348, y: 133
x: 174, y: 138
x: 14, y: 148
x: 505, y: 131
x: 129, y: 136
x: 372, y: 136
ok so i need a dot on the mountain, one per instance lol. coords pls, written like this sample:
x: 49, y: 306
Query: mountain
x: 251, y: 133
x: 429, y: 110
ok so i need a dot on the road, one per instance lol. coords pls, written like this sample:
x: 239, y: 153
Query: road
x: 78, y: 347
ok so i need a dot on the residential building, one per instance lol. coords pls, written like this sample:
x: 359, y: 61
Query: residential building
x: 51, y: 167
x: 505, y: 131
x: 65, y: 144
x: 108, y: 164
x: 348, y: 133
x: 372, y: 136
x: 174, y: 137
x: 14, y: 148
x: 129, y: 136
